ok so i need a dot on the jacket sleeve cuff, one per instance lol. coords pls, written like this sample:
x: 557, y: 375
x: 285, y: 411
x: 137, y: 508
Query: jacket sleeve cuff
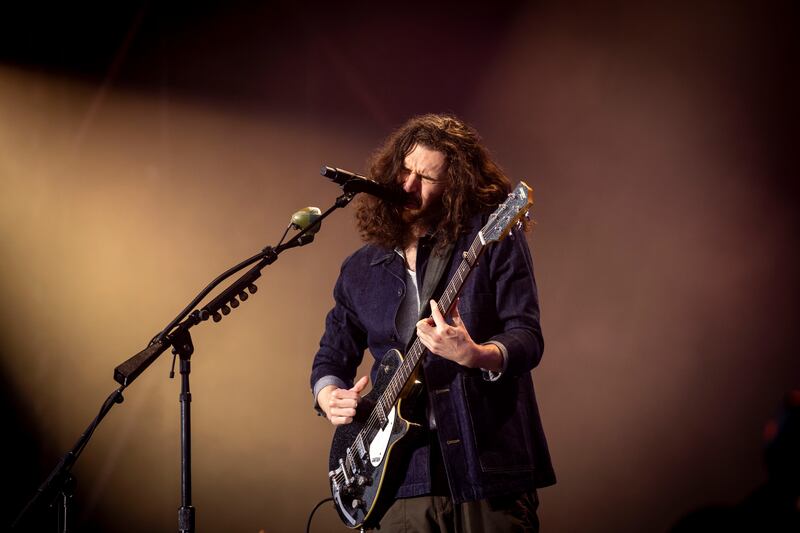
x: 321, y: 383
x: 489, y: 375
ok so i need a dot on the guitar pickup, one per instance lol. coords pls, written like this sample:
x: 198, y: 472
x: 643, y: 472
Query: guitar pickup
x: 350, y: 462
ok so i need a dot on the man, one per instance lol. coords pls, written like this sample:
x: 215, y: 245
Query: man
x: 483, y: 454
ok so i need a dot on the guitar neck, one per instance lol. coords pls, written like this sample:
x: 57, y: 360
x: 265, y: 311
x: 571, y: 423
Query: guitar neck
x: 445, y: 304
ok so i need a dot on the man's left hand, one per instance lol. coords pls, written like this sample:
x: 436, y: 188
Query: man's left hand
x: 453, y: 342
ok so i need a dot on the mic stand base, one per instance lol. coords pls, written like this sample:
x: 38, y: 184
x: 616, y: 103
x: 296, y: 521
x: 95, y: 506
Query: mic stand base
x: 186, y: 519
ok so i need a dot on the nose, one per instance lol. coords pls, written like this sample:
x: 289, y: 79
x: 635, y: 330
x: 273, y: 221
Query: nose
x: 411, y: 183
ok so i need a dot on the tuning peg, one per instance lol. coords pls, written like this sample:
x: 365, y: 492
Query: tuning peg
x: 243, y: 296
x: 204, y: 314
x: 252, y: 288
x: 234, y: 303
x: 216, y: 317
x: 225, y: 310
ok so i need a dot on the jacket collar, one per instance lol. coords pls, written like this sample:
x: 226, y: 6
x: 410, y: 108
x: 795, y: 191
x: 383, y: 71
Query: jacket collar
x: 382, y: 255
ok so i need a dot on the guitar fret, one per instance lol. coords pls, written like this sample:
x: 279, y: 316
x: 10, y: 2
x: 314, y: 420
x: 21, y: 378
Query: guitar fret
x: 380, y: 410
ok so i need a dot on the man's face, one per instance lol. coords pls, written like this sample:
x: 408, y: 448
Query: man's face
x: 424, y: 178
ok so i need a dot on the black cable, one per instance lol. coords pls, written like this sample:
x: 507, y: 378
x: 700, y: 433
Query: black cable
x: 284, y: 235
x: 308, y: 526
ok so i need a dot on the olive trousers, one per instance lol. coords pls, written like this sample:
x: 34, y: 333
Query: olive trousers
x: 437, y: 514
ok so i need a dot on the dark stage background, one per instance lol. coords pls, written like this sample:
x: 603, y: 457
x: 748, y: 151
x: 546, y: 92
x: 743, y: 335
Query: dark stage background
x: 145, y: 148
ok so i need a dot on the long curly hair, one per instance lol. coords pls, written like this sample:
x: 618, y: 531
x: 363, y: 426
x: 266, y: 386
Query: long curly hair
x: 474, y: 182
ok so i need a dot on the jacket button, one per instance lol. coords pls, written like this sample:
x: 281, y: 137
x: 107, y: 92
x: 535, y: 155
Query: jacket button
x: 393, y: 337
x: 399, y: 292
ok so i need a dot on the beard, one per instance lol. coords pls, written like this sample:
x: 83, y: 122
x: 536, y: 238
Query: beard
x: 418, y: 217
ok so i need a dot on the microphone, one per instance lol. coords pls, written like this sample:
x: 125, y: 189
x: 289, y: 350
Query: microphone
x: 354, y: 183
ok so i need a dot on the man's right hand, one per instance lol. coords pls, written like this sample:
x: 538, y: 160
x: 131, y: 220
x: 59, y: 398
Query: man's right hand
x: 340, y: 405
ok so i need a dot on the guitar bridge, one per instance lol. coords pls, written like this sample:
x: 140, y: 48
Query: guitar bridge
x: 347, y: 480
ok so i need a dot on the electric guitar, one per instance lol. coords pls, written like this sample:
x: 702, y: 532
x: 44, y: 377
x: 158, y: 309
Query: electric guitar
x: 364, y: 454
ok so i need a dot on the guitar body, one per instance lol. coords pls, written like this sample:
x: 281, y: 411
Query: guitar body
x: 365, y: 455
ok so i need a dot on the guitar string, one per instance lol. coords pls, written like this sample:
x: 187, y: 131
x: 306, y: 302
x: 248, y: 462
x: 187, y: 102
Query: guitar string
x: 406, y: 368
x: 400, y: 377
x: 392, y: 389
x: 416, y: 351
x: 404, y: 371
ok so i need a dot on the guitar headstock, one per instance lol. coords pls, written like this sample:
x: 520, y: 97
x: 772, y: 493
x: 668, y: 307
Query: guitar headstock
x: 508, y: 214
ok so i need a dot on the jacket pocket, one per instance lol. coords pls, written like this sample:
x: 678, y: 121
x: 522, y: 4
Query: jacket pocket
x: 499, y: 413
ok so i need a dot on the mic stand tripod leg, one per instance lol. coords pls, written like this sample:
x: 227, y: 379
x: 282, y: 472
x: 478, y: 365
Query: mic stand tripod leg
x: 66, y: 494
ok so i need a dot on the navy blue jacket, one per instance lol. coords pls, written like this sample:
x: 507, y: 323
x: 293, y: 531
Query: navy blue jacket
x: 489, y: 432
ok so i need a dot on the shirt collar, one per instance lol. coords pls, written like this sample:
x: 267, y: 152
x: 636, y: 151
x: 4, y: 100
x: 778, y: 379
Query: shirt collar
x: 383, y: 255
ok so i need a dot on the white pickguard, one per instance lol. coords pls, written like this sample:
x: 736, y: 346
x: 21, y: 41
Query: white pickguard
x: 377, y: 447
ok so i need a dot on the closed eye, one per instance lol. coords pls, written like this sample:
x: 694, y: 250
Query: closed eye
x: 405, y: 172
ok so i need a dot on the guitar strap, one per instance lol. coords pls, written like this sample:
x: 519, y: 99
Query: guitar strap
x: 437, y: 264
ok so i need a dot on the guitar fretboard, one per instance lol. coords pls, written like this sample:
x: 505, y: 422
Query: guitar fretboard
x: 417, y: 350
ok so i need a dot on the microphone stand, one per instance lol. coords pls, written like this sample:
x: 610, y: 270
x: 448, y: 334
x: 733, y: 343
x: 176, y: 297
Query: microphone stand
x: 62, y: 483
